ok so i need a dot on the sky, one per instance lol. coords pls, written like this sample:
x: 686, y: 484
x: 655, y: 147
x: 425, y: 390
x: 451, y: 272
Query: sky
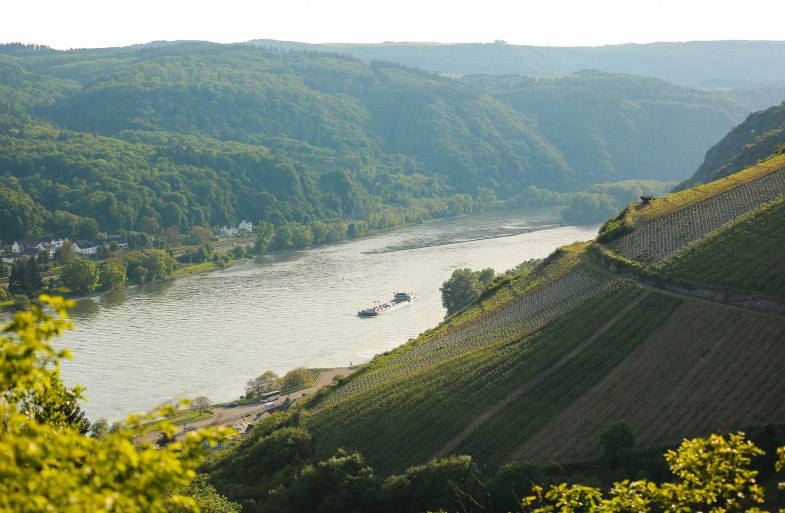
x: 65, y: 24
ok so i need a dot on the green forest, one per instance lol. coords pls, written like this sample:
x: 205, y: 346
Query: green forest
x: 199, y: 134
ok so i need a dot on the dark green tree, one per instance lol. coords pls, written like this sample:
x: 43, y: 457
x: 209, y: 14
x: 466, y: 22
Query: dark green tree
x: 264, y: 237
x: 111, y: 276
x: 618, y: 442
x: 81, y: 275
x: 25, y: 277
x: 461, y: 289
x: 149, y: 265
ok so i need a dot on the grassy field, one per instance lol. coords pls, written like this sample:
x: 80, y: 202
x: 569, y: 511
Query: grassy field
x: 747, y: 254
x: 194, y: 269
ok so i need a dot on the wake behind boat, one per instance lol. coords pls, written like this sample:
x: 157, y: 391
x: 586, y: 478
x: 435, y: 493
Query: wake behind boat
x: 398, y: 300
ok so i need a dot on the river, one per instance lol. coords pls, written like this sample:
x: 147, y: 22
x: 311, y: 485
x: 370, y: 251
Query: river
x: 209, y: 334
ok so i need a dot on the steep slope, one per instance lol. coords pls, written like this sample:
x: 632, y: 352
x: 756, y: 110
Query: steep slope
x: 543, y: 362
x: 569, y: 356
x: 497, y: 380
x: 760, y: 135
x: 741, y: 255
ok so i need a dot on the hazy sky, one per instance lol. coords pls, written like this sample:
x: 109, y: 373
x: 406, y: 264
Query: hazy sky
x: 67, y: 24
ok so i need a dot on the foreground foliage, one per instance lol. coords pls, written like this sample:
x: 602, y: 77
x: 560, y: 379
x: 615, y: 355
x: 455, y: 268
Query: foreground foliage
x: 47, y: 465
x: 711, y: 474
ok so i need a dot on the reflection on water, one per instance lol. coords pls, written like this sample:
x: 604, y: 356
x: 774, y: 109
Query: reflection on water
x: 208, y: 334
x: 113, y: 298
x: 85, y: 308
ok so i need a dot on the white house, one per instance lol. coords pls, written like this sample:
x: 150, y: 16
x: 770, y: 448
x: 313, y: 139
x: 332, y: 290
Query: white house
x: 84, y: 247
x: 228, y: 230
x: 17, y: 247
x: 245, y: 227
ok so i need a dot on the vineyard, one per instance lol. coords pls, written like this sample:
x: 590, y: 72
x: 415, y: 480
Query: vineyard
x: 689, y: 197
x: 707, y: 368
x: 559, y: 264
x: 746, y: 254
x: 498, y: 440
x: 386, y: 423
x: 657, y: 239
x: 520, y: 316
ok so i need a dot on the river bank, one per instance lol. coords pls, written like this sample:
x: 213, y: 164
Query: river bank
x: 209, y: 333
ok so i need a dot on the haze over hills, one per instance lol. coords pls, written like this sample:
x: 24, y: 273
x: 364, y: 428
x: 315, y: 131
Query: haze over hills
x: 730, y: 64
x: 668, y: 325
x: 203, y: 134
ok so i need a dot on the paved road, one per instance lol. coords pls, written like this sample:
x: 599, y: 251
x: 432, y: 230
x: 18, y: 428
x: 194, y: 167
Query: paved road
x: 223, y: 415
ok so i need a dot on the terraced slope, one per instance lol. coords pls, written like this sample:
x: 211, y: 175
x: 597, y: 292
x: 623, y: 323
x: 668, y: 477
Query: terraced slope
x: 747, y: 254
x: 707, y: 368
x: 510, y: 311
x: 671, y: 223
x: 539, y: 367
x: 406, y: 420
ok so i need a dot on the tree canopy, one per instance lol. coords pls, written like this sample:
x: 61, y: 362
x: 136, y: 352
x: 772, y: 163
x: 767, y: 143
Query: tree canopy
x: 463, y: 287
x: 81, y: 275
x: 25, y: 277
x: 48, y: 465
x: 173, y: 137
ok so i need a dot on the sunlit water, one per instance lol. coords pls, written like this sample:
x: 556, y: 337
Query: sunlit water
x: 209, y: 334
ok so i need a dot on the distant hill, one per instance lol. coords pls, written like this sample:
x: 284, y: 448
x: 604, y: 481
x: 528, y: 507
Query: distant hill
x: 760, y: 135
x: 673, y: 323
x: 191, y: 133
x: 726, y: 64
x: 606, y: 124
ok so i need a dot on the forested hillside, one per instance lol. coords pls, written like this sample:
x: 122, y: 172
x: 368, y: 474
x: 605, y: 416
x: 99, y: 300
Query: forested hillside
x: 638, y: 331
x: 607, y: 124
x: 192, y: 134
x: 760, y: 135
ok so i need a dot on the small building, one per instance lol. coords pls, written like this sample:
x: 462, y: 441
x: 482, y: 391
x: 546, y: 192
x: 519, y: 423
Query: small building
x: 243, y: 425
x: 245, y: 227
x: 227, y: 230
x: 86, y: 248
x: 645, y: 200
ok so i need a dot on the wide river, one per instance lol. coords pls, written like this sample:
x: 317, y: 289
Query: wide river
x: 209, y: 334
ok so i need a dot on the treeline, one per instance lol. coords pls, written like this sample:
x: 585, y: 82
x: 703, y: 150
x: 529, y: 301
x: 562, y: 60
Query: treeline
x: 602, y: 201
x: 83, y: 275
x: 198, y: 134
